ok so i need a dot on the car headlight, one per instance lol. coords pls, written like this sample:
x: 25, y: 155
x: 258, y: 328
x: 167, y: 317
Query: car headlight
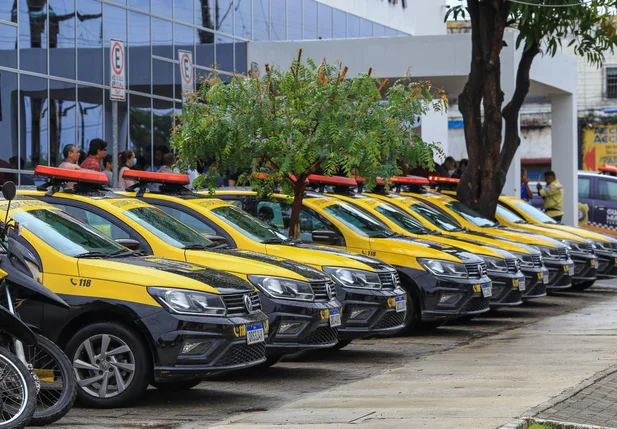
x: 496, y: 264
x: 525, y: 259
x: 184, y: 301
x: 354, y: 278
x: 278, y: 287
x: 444, y: 268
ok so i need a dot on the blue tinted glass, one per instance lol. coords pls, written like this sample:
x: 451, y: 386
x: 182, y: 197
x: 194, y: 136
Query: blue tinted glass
x: 204, y: 49
x: 240, y: 53
x: 366, y: 28
x: 140, y: 129
x: 184, y: 38
x: 8, y: 124
x: 90, y: 117
x: 162, y: 113
x: 277, y: 20
x: 224, y: 16
x: 8, y: 44
x: 162, y: 38
x: 294, y: 19
x: 379, y: 30
x: 62, y: 38
x: 6, y: 11
x: 163, y: 76
x: 184, y: 11
x: 205, y: 13
x: 34, y: 127
x: 90, y: 41
x: 162, y: 7
x: 390, y: 32
x: 224, y: 53
x: 340, y: 24
x: 310, y: 19
x: 62, y: 119
x: 140, y: 4
x: 353, y: 26
x: 260, y: 20
x: 138, y: 52
x: 243, y: 19
x: 33, y: 31
x: 325, y: 22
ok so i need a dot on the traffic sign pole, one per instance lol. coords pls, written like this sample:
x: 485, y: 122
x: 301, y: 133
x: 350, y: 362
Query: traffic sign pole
x: 117, y: 93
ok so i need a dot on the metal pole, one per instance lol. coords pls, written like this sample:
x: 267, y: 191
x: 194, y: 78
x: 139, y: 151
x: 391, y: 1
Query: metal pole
x: 114, y: 142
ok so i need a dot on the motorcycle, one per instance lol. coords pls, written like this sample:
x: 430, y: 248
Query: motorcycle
x: 48, y: 366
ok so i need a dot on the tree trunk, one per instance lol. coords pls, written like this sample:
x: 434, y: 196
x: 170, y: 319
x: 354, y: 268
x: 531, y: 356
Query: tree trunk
x: 482, y: 181
x: 296, y: 208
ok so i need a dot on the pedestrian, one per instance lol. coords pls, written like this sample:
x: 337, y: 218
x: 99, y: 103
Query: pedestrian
x: 108, y: 167
x: 98, y: 150
x: 449, y: 165
x: 169, y: 159
x: 526, y: 193
x: 71, y: 156
x: 553, y: 196
x: 462, y: 165
x: 126, y: 161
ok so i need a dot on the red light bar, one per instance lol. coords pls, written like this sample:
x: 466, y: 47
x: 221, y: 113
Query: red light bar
x: 263, y: 176
x: 378, y: 180
x: 155, y: 177
x: 82, y: 175
x: 439, y: 179
x: 608, y: 169
x: 332, y: 180
x: 410, y: 180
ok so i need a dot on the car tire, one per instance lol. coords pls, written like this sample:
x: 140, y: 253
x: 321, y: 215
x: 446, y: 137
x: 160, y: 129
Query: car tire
x: 177, y: 386
x: 583, y: 285
x: 126, y: 357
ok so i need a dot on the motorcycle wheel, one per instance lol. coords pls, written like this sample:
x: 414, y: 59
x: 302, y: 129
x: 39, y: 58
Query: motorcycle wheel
x: 17, y: 392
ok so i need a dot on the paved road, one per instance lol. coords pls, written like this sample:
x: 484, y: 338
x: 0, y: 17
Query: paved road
x: 476, y: 374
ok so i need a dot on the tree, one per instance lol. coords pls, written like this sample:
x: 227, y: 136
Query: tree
x: 311, y: 118
x: 543, y: 26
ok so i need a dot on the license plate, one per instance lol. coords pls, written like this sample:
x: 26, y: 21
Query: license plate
x: 401, y: 304
x: 595, y: 263
x: 255, y: 334
x: 545, y: 277
x: 335, y: 318
x: 487, y: 290
x: 521, y: 284
x: 571, y: 270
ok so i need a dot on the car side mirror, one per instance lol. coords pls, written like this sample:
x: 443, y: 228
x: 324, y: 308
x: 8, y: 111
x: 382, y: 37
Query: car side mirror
x: 216, y: 239
x: 325, y: 237
x: 9, y: 190
x: 129, y: 243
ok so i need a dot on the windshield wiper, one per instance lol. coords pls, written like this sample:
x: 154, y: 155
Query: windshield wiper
x: 199, y: 246
x: 386, y: 235
x: 273, y: 241
x: 92, y: 254
x: 121, y: 253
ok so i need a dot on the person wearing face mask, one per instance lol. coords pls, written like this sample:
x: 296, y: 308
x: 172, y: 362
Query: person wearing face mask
x: 126, y: 161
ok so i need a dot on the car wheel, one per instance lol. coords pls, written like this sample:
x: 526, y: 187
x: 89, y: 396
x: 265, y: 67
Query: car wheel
x: 112, y: 365
x: 583, y: 285
x: 177, y: 386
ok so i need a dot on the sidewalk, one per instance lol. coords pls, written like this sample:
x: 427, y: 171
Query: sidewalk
x: 485, y: 384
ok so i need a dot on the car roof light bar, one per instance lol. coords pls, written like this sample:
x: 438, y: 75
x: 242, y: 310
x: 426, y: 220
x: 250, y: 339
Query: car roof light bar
x: 144, y: 178
x: 338, y: 184
x: 608, y: 169
x: 80, y: 176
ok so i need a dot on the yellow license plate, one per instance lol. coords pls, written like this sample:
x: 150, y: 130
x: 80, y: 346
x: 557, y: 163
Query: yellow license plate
x: 477, y: 288
x: 325, y: 314
x: 540, y: 275
x: 515, y: 282
x: 566, y: 269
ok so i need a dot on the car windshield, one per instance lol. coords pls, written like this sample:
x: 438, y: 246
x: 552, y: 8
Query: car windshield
x: 403, y: 220
x: 66, y: 234
x: 168, y: 229
x: 436, y: 218
x: 248, y: 225
x: 470, y: 215
x: 533, y: 212
x: 508, y: 215
x: 358, y: 221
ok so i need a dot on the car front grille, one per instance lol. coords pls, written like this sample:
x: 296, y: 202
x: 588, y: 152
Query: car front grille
x: 389, y: 279
x: 322, y: 336
x: 589, y: 248
x: 239, y: 354
x: 475, y: 304
x: 513, y: 265
x: 512, y: 297
x: 476, y: 271
x: 563, y: 253
x: 236, y: 306
x: 534, y: 288
x: 390, y: 320
x: 320, y: 289
x: 537, y: 260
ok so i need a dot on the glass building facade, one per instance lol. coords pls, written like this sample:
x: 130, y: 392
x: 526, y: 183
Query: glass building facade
x: 54, y: 66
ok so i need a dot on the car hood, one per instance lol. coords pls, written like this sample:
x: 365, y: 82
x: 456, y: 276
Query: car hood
x: 423, y: 249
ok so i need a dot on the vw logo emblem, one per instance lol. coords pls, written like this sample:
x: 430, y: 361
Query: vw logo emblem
x: 248, y: 303
x: 329, y: 290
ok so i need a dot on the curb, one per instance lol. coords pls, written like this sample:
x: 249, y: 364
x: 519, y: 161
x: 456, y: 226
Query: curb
x: 524, y: 424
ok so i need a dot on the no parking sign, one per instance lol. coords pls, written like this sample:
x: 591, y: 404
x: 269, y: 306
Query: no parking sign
x: 186, y: 72
x: 117, y: 81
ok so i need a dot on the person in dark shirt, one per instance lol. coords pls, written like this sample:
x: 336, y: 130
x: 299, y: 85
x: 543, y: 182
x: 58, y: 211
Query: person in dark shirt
x: 462, y: 165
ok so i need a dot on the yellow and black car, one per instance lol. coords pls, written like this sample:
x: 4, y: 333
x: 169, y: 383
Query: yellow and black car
x: 368, y: 289
x: 134, y: 320
x: 299, y: 300
x: 440, y: 283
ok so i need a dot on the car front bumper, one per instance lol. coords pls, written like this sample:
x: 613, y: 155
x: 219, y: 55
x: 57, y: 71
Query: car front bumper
x: 223, y: 344
x: 607, y: 265
x: 535, y: 286
x: 560, y: 273
x: 367, y: 312
x: 506, y: 289
x: 585, y: 267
